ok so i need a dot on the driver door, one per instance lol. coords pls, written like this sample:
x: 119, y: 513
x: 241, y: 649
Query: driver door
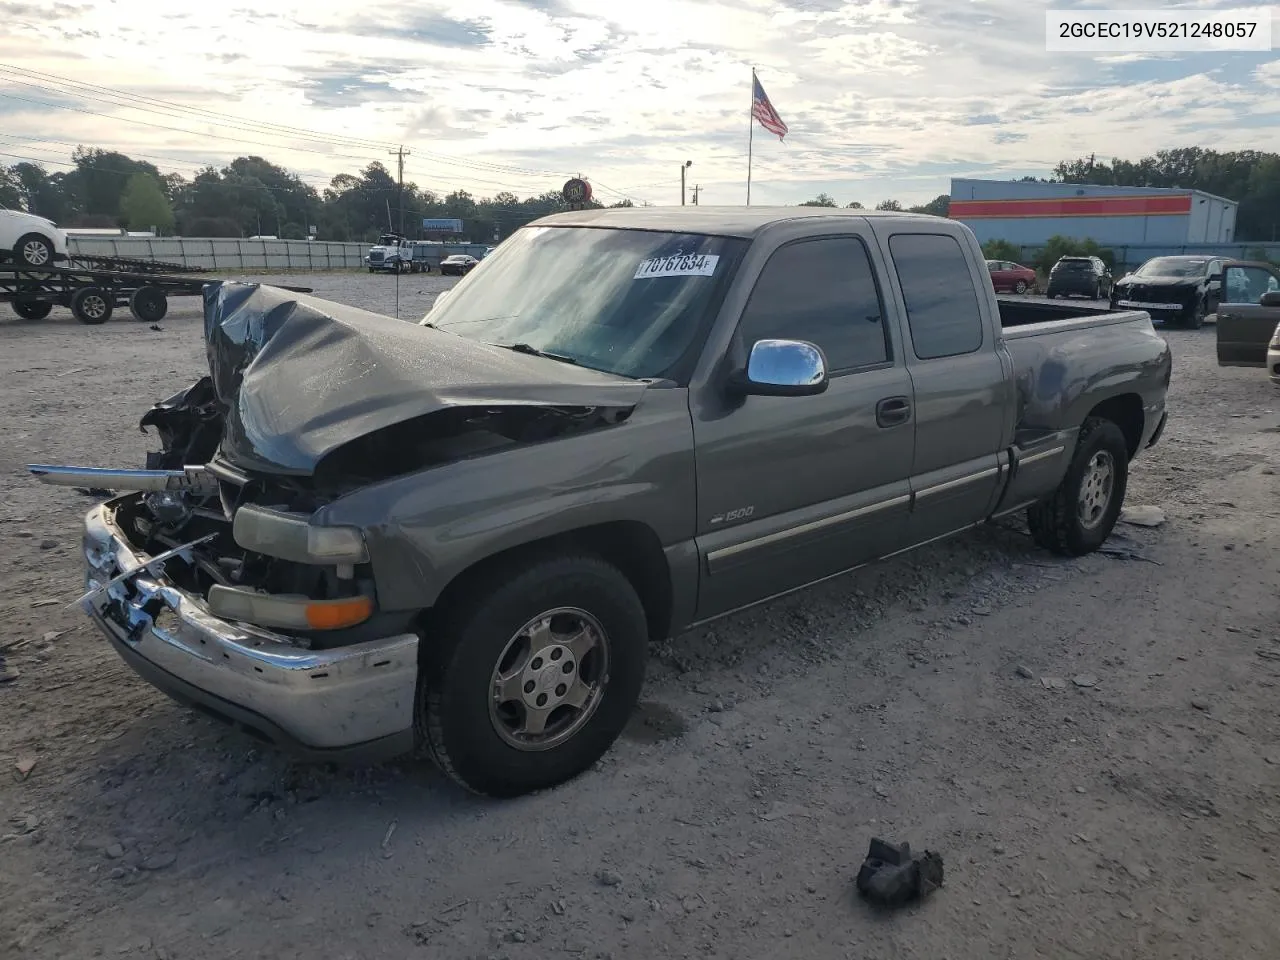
x: 795, y: 489
x: 1245, y: 323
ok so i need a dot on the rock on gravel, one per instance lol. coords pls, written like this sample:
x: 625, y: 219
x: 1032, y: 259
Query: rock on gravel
x: 1142, y: 516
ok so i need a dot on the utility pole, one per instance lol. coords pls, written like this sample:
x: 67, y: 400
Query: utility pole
x: 697, y: 188
x: 400, y: 154
x: 687, y: 165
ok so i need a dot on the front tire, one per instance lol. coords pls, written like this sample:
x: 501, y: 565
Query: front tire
x: 535, y: 673
x: 1195, y: 320
x: 91, y: 305
x: 1084, y: 509
x: 1020, y: 287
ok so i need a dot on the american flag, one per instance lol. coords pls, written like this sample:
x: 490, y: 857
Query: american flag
x: 763, y: 110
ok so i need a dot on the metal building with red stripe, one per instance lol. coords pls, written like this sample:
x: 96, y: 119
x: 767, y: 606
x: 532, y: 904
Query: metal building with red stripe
x: 1027, y: 213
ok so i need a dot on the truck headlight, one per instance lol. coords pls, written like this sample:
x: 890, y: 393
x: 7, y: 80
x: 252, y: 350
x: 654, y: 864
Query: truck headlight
x: 290, y: 536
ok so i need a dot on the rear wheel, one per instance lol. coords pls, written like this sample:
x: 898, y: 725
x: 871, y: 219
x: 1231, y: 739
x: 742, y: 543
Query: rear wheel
x: 1020, y: 287
x: 535, y: 673
x: 149, y: 304
x: 33, y: 250
x: 91, y: 305
x: 1080, y: 515
x: 32, y: 309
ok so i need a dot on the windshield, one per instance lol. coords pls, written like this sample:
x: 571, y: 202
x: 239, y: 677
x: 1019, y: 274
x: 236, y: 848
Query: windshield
x: 1172, y: 267
x: 1073, y: 265
x: 387, y: 240
x: 631, y: 302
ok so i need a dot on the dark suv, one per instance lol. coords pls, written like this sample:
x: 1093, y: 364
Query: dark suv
x: 1086, y: 276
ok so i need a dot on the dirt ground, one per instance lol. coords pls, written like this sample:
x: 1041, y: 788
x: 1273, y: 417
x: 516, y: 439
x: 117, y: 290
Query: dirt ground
x: 1131, y: 811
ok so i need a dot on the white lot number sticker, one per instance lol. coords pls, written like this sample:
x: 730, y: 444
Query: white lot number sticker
x: 680, y: 265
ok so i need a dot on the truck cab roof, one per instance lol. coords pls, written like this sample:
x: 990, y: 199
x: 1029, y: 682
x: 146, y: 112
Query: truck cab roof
x: 743, y: 222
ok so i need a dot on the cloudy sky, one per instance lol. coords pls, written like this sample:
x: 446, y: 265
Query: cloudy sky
x: 884, y: 98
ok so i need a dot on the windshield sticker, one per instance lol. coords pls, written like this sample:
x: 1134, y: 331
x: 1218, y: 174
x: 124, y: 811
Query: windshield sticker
x: 679, y: 265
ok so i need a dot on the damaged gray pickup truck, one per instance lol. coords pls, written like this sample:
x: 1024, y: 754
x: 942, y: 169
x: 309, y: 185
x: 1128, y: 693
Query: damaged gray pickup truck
x: 364, y: 535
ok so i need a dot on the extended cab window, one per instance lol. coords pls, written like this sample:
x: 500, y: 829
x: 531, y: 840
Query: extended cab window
x: 823, y: 291
x: 942, y: 304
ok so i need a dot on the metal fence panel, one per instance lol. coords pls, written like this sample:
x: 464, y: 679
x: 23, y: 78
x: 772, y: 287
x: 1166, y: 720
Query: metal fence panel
x: 232, y: 254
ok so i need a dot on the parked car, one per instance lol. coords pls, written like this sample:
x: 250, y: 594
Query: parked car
x: 1181, y: 290
x: 465, y: 533
x: 1247, y: 316
x: 1011, y: 276
x: 1079, y: 276
x: 457, y: 265
x: 30, y: 241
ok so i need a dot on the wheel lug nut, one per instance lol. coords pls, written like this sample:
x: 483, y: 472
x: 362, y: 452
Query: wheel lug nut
x: 537, y: 663
x: 528, y: 686
x: 542, y: 699
x: 557, y: 653
x: 560, y: 690
x: 568, y: 667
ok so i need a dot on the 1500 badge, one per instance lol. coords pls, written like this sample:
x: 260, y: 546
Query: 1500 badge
x: 742, y: 513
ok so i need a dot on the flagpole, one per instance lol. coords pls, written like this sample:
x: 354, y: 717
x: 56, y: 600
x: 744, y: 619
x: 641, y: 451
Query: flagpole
x: 751, y: 131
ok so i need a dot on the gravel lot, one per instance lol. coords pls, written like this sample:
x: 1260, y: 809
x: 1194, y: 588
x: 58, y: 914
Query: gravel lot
x: 1132, y: 812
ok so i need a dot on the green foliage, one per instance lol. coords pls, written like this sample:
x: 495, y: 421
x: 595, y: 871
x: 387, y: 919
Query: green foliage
x: 254, y: 196
x: 888, y: 205
x: 1060, y: 246
x: 854, y: 205
x: 1002, y: 250
x: 10, y: 190
x: 821, y: 200
x: 144, y: 205
x: 939, y: 206
x: 1250, y: 177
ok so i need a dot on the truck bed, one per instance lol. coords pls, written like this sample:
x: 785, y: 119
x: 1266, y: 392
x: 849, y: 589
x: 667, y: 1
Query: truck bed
x: 1019, y: 313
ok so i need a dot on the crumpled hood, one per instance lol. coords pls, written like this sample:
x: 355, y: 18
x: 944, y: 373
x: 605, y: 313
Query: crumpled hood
x: 300, y: 377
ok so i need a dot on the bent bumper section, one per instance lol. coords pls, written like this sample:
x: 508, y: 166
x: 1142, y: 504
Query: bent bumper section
x: 352, y: 703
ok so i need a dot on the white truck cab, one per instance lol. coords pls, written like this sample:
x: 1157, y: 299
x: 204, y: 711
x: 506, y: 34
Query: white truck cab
x: 30, y: 241
x: 393, y: 254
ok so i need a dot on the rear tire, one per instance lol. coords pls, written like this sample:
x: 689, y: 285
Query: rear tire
x: 474, y: 722
x: 149, y: 304
x: 32, y: 309
x: 91, y: 305
x: 1079, y: 516
x: 1020, y: 287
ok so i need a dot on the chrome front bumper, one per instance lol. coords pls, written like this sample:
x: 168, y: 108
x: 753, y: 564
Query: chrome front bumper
x: 352, y: 702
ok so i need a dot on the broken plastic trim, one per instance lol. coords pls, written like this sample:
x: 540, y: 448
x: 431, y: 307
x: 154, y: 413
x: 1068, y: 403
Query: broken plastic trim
x: 194, y: 480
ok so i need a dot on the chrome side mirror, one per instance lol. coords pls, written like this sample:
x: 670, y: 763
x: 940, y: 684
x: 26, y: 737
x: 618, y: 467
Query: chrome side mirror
x: 783, y: 368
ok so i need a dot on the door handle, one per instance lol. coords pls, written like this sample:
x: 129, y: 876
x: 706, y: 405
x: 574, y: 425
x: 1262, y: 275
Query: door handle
x: 892, y: 411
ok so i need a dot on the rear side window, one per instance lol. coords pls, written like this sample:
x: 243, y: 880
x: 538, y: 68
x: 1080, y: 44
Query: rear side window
x: 943, y: 313
x: 822, y: 291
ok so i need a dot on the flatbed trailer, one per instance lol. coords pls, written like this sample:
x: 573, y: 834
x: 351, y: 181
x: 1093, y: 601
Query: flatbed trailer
x: 92, y: 287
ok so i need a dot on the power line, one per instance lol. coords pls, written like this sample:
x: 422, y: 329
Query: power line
x: 255, y: 126
x: 185, y: 108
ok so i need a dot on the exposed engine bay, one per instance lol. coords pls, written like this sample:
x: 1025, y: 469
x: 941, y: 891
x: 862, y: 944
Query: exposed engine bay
x: 305, y: 402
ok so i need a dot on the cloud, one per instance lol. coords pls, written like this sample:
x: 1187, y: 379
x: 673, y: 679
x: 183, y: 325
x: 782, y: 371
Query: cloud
x: 883, y: 97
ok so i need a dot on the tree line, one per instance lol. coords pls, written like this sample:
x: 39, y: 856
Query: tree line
x: 253, y: 197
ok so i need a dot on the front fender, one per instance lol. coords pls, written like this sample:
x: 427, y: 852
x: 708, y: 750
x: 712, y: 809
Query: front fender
x: 426, y: 528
